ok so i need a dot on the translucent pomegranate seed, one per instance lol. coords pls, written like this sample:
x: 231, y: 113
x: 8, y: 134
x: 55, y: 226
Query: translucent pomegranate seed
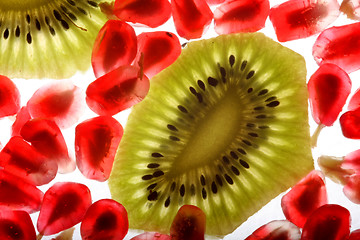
x: 22, y: 117
x: 151, y: 236
x: 96, y: 142
x: 241, y: 16
x: 159, y: 49
x: 352, y: 161
x: 19, y: 194
x: 214, y: 2
x: 276, y: 230
x: 15, y: 225
x: 295, y: 19
x: 354, y: 101
x: 22, y: 160
x: 354, y: 235
x: 152, y: 13
x: 105, y: 219
x: 46, y: 137
x: 60, y: 101
x: 339, y: 45
x: 64, y: 205
x: 115, y: 46
x: 189, y: 223
x: 351, y: 8
x: 9, y: 97
x: 352, y: 188
x: 117, y: 90
x: 350, y: 124
x: 304, y: 198
x: 191, y: 17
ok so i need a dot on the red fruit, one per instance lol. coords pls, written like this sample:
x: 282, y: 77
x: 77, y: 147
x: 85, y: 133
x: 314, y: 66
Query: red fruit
x: 276, y: 230
x: 19, y: 194
x: 151, y: 236
x: 214, y: 2
x: 191, y: 17
x: 105, y: 219
x: 46, y: 137
x: 189, y: 224
x: 295, y: 19
x: 241, y: 16
x: 354, y: 235
x: 16, y: 225
x: 340, y: 46
x: 9, y: 97
x: 352, y: 161
x: 96, y: 142
x: 117, y: 90
x: 60, y: 101
x: 152, y: 13
x: 352, y: 188
x: 351, y: 8
x: 64, y: 205
x: 22, y: 117
x: 328, y: 222
x: 115, y: 46
x: 159, y: 49
x: 21, y: 159
x: 350, y: 124
x: 304, y: 198
x: 354, y: 102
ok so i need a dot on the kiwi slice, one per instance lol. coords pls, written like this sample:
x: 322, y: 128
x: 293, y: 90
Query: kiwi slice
x: 224, y: 128
x: 47, y: 38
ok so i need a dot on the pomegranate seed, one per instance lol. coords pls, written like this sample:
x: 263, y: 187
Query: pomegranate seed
x: 22, y: 160
x: 22, y: 117
x: 96, y: 142
x: 19, y: 194
x: 189, y: 223
x: 160, y: 49
x: 328, y: 222
x: 115, y: 46
x: 15, y: 225
x: 151, y: 236
x: 105, y: 219
x: 350, y: 124
x: 295, y: 19
x: 46, y: 137
x: 64, y: 205
x: 352, y: 161
x: 214, y: 2
x: 59, y: 101
x: 9, y: 97
x: 191, y: 17
x: 354, y: 235
x: 354, y: 102
x: 351, y: 8
x: 241, y: 16
x: 276, y: 230
x: 352, y: 188
x: 339, y: 45
x: 304, y: 198
x: 117, y: 90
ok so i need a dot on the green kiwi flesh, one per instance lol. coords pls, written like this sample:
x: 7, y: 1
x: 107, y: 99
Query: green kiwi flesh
x: 224, y: 128
x: 47, y: 38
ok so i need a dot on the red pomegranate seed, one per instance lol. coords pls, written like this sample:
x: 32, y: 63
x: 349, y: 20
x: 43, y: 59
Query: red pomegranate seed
x: 64, y: 205
x: 152, y: 13
x: 354, y: 101
x: 351, y: 8
x: 191, y: 17
x: 105, y: 219
x: 328, y: 222
x: 22, y: 117
x: 9, y: 97
x: 350, y: 124
x: 159, y: 49
x: 151, y: 236
x: 22, y: 160
x: 295, y: 19
x: 339, y: 45
x: 352, y: 188
x: 16, y: 225
x: 276, y: 230
x: 354, y: 235
x: 304, y: 198
x: 46, y: 137
x: 352, y: 161
x: 115, y: 46
x: 214, y: 2
x: 189, y: 223
x: 117, y: 90
x: 96, y: 142
x: 19, y: 194
x: 241, y: 16
x: 59, y: 101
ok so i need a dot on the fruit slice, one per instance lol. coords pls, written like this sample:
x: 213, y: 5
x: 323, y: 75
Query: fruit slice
x: 295, y: 19
x: 351, y: 8
x: 105, y: 219
x: 151, y: 236
x: 276, y: 230
x: 350, y: 124
x: 224, y: 128
x: 16, y: 225
x: 9, y: 97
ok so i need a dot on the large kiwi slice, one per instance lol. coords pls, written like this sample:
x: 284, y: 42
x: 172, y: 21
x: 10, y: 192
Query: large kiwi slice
x: 47, y: 38
x: 224, y: 128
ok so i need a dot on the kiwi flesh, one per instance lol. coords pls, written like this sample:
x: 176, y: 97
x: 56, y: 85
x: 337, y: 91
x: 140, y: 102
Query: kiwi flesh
x: 47, y: 38
x: 224, y: 128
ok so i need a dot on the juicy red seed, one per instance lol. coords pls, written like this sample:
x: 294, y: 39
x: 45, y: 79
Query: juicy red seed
x: 64, y: 205
x: 152, y: 13
x: 151, y: 236
x: 191, y: 17
x: 352, y: 188
x: 354, y: 235
x: 105, y: 219
x: 276, y: 230
x: 9, y: 97
x: 350, y: 124
x: 96, y: 142
x: 241, y: 16
x: 351, y: 8
x: 354, y: 102
x: 214, y: 2
x: 15, y: 225
x: 352, y: 161
x: 22, y: 117
x: 297, y: 19
x: 117, y: 90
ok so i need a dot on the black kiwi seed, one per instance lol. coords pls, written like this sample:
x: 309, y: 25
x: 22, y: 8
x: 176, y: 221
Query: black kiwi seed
x: 218, y: 180
x: 263, y: 92
x: 182, y: 109
x: 229, y: 179
x: 153, y: 165
x: 203, y: 193
x: 250, y: 125
x: 226, y: 160
x: 213, y: 187
x: 28, y: 38
x: 157, y: 155
x: 252, y: 134
x: 152, y: 186
x: 232, y: 60
x: 246, y: 142
x: 201, y: 84
x: 212, y: 81
x: 158, y: 173
x: 273, y: 104
x: 173, y: 138
x: 167, y: 202
x: 250, y: 90
x: 82, y: 10
x: 270, y: 99
x: 37, y: 24
x: 71, y: 2
x: 242, y: 151
x: 147, y: 177
x: 173, y: 186
x: 243, y: 65
x: 235, y: 170
x: 250, y: 74
x: 28, y: 19
x: 202, y: 180
x: 261, y: 116
x: 153, y: 196
x: 182, y: 190
x: 244, y: 163
x: 17, y: 31
x: 92, y: 3
x: 172, y: 127
x: 6, y: 33
x: 234, y: 155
